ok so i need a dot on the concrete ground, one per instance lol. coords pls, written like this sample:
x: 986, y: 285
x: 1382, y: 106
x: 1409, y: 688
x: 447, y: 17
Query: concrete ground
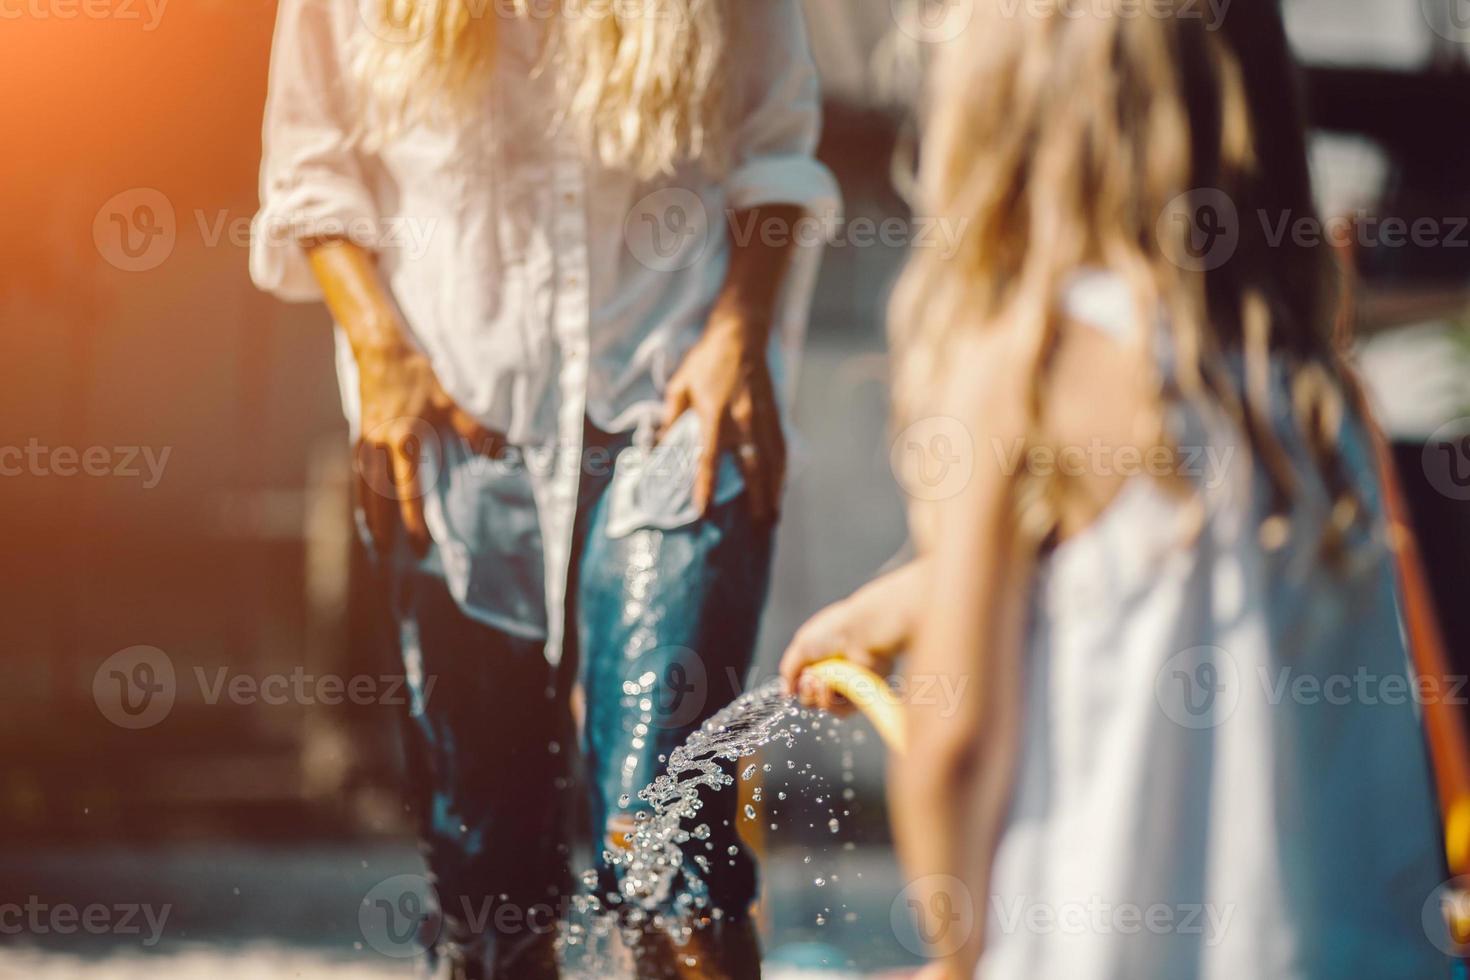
x: 227, y: 912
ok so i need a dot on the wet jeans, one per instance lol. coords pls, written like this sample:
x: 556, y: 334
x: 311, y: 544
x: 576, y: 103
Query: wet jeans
x: 661, y: 630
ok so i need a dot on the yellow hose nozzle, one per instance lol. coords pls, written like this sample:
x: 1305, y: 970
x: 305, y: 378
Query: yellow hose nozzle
x: 869, y: 693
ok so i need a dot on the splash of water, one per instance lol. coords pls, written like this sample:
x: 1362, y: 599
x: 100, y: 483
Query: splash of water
x: 649, y: 867
x: 751, y: 721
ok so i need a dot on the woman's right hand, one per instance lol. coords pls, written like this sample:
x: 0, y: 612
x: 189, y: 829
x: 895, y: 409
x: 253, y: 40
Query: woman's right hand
x: 403, y: 406
x: 869, y: 628
x: 403, y: 409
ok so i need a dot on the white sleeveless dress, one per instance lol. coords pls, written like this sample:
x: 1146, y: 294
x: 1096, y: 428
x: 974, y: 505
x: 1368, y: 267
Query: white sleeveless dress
x: 1223, y: 774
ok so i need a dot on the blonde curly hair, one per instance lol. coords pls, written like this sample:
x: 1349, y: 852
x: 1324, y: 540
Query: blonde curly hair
x: 640, y: 81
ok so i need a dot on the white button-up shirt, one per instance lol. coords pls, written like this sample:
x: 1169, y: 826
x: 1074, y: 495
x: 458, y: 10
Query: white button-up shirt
x: 544, y: 287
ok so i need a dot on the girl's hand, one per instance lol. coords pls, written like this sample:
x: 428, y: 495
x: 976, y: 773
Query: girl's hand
x: 869, y: 628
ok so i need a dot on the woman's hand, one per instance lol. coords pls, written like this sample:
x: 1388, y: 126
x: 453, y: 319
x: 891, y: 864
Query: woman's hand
x: 725, y: 379
x: 403, y: 409
x: 403, y: 406
x: 869, y: 628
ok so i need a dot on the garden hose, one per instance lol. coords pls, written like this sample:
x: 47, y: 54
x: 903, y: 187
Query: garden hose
x: 868, y: 692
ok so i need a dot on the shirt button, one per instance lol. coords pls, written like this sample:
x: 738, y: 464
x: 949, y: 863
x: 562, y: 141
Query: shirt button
x: 569, y: 197
x: 573, y: 282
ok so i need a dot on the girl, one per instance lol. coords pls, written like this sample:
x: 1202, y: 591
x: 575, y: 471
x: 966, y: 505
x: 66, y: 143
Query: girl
x: 1189, y: 746
x: 516, y: 212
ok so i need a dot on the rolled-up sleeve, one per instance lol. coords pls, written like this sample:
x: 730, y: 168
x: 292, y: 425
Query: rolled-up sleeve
x: 313, y: 180
x: 774, y: 162
x: 776, y: 138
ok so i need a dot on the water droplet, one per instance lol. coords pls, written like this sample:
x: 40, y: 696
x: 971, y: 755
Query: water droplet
x: 820, y: 882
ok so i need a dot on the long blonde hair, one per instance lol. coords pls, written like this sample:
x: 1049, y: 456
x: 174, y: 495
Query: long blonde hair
x: 640, y: 81
x: 1062, y: 140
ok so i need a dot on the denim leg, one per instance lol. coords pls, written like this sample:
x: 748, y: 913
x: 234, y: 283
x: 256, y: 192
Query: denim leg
x: 487, y: 742
x: 682, y: 608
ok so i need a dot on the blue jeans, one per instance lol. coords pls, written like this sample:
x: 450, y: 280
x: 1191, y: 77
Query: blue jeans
x: 661, y: 629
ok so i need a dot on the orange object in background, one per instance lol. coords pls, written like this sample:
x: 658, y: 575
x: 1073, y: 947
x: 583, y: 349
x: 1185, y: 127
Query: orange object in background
x: 1444, y: 724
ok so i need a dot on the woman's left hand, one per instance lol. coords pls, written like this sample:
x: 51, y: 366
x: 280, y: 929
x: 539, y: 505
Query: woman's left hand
x: 726, y: 380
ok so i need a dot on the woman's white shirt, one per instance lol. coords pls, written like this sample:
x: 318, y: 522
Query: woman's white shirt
x: 545, y: 287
